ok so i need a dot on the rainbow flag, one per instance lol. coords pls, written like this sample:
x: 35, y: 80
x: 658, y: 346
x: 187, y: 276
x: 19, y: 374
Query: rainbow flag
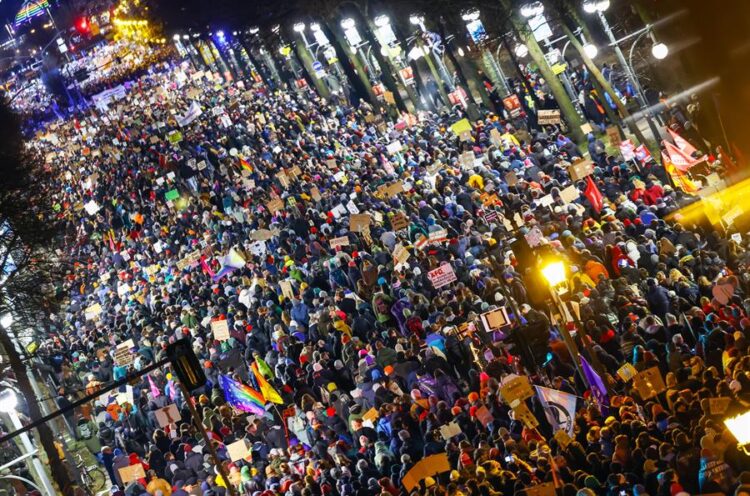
x: 31, y: 9
x: 242, y: 397
x: 246, y: 165
x: 266, y: 389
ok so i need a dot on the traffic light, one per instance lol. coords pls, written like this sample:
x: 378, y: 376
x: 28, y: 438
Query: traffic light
x: 186, y: 365
x: 82, y: 25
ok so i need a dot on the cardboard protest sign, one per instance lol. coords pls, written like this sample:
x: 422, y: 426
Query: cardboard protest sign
x: 370, y: 415
x: 171, y: 195
x: 238, y: 450
x: 548, y: 117
x: 399, y: 221
x: 483, y: 415
x: 275, y: 205
x: 516, y: 390
x: 522, y: 413
x: 649, y: 383
x: 358, y: 222
x: 627, y: 372
x: 315, y: 193
x: 261, y: 235
x: 570, y: 194
x: 511, y: 178
x: 340, y: 241
x: 393, y: 189
x: 91, y: 207
x: 461, y: 126
x: 93, y: 311
x: 562, y: 438
x: 580, y: 169
x: 495, y: 320
x: 131, y: 473
x: 123, y: 356
x: 450, y: 430
x: 286, y: 289
x: 613, y: 134
x: 400, y: 254
x: 427, y: 467
x: 168, y: 415
x: 442, y: 276
x: 220, y: 328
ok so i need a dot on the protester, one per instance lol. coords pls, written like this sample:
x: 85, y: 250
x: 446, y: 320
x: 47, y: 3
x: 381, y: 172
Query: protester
x: 296, y: 244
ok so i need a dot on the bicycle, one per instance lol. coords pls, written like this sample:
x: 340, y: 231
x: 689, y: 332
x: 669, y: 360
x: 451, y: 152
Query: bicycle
x: 92, y: 477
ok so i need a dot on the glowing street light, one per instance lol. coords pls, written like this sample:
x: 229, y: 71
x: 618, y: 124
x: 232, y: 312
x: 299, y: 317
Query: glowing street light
x: 532, y: 9
x: 382, y: 20
x: 176, y: 37
x: 659, y: 51
x: 591, y: 6
x: 554, y: 272
x: 590, y: 50
x: 739, y: 426
x: 521, y: 50
x: 470, y: 15
x: 299, y: 27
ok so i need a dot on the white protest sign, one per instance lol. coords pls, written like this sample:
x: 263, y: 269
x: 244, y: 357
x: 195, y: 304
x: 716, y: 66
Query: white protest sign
x: 168, y: 415
x: 220, y: 328
x: 442, y: 276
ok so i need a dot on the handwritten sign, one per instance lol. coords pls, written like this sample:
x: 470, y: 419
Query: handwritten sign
x: 516, y: 390
x: 548, y: 117
x: 580, y: 169
x: 627, y: 372
x: 238, y: 450
x: 399, y: 221
x: 450, y: 430
x: 649, y: 383
x: 168, y: 415
x: 131, y: 473
x: 442, y: 276
x: 340, y: 241
x: 358, y: 222
x: 220, y: 328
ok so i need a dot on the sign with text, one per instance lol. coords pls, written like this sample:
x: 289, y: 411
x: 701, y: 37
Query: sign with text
x: 442, y: 276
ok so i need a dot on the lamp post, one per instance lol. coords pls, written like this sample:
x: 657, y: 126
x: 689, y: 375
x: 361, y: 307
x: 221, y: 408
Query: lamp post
x: 8, y: 403
x: 479, y: 35
x: 555, y: 274
x: 598, y: 7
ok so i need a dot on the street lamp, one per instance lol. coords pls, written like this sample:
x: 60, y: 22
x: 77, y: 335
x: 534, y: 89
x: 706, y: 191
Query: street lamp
x: 8, y: 404
x: 382, y: 20
x: 659, y: 51
x: 591, y: 6
x: 470, y: 15
x: 6, y: 320
x: 739, y: 426
x: 590, y: 50
x: 176, y: 37
x: 521, y: 50
x: 299, y: 27
x: 532, y: 9
x: 554, y: 272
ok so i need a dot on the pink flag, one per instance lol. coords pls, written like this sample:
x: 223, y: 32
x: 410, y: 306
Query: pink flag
x: 683, y: 144
x: 154, y: 390
x: 679, y: 158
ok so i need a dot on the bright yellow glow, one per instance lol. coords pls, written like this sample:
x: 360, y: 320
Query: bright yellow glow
x: 554, y: 273
x: 715, y: 206
x: 739, y: 426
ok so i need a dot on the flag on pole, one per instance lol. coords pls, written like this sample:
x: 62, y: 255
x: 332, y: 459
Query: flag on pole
x: 229, y: 263
x: 679, y: 159
x: 152, y: 386
x: 679, y: 178
x: 598, y: 389
x: 266, y: 389
x: 593, y: 194
x: 683, y: 144
x: 242, y: 397
x: 560, y: 408
x: 642, y: 154
x: 246, y: 165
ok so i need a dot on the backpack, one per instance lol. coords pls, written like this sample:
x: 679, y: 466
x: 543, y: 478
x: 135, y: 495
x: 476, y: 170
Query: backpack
x: 84, y: 431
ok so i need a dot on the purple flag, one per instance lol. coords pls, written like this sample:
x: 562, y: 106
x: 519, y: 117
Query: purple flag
x: 598, y: 390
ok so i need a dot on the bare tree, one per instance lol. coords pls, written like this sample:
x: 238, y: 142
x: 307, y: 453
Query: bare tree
x: 29, y: 233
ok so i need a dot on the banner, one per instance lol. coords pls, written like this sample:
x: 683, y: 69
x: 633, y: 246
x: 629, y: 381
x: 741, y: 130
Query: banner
x: 560, y: 408
x: 193, y: 112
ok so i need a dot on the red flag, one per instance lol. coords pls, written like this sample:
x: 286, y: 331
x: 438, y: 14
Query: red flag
x: 593, y: 194
x: 683, y: 144
x: 680, y: 159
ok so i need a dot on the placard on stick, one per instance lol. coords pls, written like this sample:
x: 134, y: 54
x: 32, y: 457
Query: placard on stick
x: 168, y: 415
x: 649, y: 383
x: 220, y: 328
x: 580, y: 169
x: 548, y: 117
x: 238, y: 450
x: 131, y: 473
x: 442, y: 276
x: 516, y: 390
x: 358, y: 222
x: 399, y: 221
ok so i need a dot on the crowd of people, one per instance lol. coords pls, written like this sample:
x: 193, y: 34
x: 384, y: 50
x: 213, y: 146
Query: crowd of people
x: 383, y: 278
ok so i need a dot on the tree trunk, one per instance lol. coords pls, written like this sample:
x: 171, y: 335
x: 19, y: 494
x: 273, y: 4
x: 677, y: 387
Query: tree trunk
x: 597, y: 75
x: 567, y: 108
x: 59, y: 472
